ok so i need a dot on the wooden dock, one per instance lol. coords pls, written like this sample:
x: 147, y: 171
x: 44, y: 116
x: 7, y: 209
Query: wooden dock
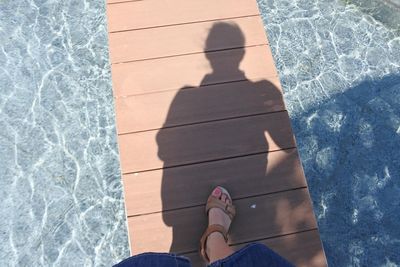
x: 199, y: 104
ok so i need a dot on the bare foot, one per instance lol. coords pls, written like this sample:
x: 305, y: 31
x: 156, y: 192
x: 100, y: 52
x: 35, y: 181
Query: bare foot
x: 218, y: 216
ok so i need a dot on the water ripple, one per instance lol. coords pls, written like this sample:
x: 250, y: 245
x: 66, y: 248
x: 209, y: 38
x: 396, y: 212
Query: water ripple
x: 62, y: 202
x: 340, y: 73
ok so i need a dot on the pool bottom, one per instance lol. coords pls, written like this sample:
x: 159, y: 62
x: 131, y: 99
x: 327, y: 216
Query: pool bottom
x: 340, y: 75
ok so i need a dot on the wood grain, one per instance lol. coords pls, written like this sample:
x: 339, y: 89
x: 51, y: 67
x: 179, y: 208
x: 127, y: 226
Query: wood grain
x: 158, y: 190
x: 204, y: 142
x: 184, y: 39
x: 196, y: 109
x: 191, y: 70
x: 257, y: 218
x: 155, y: 13
x: 192, y: 105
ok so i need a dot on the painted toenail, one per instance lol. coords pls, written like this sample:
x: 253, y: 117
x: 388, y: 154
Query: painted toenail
x: 217, y: 191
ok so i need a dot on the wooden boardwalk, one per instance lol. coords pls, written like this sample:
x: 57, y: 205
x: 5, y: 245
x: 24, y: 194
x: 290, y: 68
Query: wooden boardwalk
x: 199, y: 104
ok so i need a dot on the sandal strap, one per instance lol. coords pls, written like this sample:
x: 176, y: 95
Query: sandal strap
x: 214, y: 202
x: 203, y: 241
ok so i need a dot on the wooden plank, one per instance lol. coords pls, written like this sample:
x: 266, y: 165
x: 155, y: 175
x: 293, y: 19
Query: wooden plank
x: 301, y: 249
x: 257, y: 218
x: 192, y: 105
x: 151, y: 82
x: 191, y: 70
x: 158, y: 190
x: 204, y: 142
x: 184, y: 39
x: 121, y: 1
x: 155, y: 13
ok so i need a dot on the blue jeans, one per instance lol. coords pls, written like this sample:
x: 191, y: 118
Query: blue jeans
x: 254, y: 254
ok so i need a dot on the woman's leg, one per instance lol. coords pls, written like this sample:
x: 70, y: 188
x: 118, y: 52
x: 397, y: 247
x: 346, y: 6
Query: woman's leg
x: 216, y: 247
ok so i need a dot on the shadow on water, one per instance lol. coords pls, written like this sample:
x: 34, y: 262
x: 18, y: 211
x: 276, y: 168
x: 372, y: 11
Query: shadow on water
x: 174, y: 144
x: 350, y: 147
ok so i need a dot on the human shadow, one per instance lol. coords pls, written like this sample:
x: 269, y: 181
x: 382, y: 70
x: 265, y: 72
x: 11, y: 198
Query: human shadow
x: 219, y: 119
x: 350, y: 146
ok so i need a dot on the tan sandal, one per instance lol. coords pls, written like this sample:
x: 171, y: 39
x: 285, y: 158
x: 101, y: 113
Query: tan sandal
x: 229, y: 209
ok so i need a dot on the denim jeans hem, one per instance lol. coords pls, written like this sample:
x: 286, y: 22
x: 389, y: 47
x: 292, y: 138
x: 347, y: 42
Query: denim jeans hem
x: 235, y: 255
x: 155, y: 255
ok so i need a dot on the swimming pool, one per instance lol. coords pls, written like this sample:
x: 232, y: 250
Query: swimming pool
x: 340, y: 72
x: 60, y: 190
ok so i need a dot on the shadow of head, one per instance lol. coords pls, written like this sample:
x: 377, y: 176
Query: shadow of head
x: 220, y: 34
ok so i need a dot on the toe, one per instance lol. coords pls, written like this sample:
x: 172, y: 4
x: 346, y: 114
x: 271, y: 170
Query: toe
x: 228, y: 200
x: 217, y: 192
x: 224, y: 197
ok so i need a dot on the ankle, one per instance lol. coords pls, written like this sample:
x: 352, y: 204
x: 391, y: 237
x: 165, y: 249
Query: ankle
x: 214, y: 240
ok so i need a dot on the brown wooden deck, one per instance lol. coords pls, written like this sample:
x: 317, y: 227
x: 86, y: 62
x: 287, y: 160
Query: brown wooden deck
x: 188, y: 119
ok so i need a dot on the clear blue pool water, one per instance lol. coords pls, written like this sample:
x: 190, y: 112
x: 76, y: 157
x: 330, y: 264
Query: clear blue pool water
x: 60, y: 190
x: 61, y: 196
x: 339, y: 64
